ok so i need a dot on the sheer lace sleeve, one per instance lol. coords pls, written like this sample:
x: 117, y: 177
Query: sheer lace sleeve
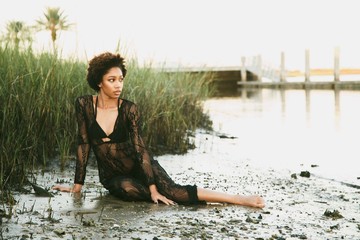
x: 83, y: 148
x: 142, y: 154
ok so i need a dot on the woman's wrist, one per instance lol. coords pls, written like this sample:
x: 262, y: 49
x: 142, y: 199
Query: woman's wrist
x: 76, y: 188
x: 153, y: 188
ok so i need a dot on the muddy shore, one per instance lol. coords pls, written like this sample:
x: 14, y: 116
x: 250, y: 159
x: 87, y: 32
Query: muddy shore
x: 297, y: 206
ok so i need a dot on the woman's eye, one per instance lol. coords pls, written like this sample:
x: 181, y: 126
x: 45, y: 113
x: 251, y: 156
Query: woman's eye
x: 113, y: 80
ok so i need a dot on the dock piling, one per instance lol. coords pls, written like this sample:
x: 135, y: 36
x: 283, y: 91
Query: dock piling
x: 282, y: 68
x: 337, y: 64
x: 307, y: 66
x: 243, y: 69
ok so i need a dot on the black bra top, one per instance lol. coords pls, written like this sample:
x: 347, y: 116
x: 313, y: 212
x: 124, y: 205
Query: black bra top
x: 96, y: 132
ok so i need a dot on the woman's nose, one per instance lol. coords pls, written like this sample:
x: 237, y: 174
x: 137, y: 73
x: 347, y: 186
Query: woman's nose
x: 117, y: 84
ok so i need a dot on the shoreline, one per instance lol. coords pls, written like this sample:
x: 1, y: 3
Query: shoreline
x: 295, y: 208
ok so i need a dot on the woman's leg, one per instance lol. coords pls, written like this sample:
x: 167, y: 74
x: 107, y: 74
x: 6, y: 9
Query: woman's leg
x: 214, y: 196
x: 192, y: 194
x: 128, y: 189
x: 182, y: 194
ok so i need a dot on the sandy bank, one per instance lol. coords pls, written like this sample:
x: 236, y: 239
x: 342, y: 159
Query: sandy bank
x: 295, y: 208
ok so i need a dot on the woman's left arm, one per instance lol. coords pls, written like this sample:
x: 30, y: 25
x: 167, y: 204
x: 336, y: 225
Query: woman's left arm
x: 143, y: 156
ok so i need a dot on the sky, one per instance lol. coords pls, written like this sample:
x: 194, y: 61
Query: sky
x: 203, y: 32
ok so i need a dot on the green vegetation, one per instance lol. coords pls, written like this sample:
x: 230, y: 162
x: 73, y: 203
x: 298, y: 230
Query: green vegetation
x: 37, y: 122
x: 36, y: 111
x: 170, y: 104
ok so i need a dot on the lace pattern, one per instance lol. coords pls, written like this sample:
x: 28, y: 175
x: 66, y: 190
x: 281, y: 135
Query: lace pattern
x: 125, y: 167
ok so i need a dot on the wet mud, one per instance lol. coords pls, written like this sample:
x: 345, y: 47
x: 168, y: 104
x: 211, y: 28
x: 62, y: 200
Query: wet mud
x: 297, y: 207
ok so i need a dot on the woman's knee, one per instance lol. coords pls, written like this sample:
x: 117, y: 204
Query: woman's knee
x: 127, y: 189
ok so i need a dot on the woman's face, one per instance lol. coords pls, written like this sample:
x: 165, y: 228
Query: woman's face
x: 112, y: 83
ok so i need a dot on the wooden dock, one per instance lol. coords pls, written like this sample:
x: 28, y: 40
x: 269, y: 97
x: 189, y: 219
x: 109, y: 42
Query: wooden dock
x: 252, y: 73
x: 231, y: 77
x: 333, y: 85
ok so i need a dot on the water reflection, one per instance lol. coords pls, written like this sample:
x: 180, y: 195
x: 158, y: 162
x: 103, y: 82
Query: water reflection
x: 294, y: 129
x: 78, y: 199
x: 337, y: 112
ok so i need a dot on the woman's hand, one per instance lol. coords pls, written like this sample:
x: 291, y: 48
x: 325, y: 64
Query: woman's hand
x: 75, y: 189
x: 156, y: 196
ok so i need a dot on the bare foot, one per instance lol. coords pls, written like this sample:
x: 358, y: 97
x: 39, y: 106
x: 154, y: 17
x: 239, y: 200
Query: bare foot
x: 250, y: 201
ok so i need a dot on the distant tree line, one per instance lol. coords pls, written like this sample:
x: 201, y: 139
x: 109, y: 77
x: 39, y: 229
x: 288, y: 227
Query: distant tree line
x: 19, y: 34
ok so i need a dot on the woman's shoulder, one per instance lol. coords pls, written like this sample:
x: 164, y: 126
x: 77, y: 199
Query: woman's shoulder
x: 84, y: 97
x: 129, y: 106
x: 84, y: 100
x: 127, y: 102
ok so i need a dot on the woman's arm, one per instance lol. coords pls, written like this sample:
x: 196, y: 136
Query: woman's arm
x: 83, y: 148
x: 142, y: 154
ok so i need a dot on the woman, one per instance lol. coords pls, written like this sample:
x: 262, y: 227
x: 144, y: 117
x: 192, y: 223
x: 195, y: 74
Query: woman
x: 110, y: 126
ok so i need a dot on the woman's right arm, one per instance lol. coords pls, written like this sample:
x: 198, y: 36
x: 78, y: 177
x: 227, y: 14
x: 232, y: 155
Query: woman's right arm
x: 83, y: 149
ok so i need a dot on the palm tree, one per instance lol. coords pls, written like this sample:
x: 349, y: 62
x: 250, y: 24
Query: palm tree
x: 53, y: 21
x: 17, y: 32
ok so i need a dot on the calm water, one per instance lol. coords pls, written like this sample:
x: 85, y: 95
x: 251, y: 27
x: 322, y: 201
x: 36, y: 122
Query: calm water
x: 294, y: 129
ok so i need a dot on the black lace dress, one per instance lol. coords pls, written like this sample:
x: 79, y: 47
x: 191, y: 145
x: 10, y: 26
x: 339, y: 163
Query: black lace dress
x: 125, y: 167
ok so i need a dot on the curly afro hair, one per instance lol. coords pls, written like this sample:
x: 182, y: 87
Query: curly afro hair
x: 100, y: 65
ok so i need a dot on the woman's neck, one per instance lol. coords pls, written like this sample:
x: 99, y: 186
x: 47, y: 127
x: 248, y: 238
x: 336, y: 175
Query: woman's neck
x: 105, y: 102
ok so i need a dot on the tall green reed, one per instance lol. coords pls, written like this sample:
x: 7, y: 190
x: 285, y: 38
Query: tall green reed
x: 170, y: 104
x: 37, y: 120
x: 36, y: 110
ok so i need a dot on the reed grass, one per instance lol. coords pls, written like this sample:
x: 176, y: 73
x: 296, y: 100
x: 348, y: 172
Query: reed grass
x: 36, y: 109
x: 170, y: 104
x: 37, y: 120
